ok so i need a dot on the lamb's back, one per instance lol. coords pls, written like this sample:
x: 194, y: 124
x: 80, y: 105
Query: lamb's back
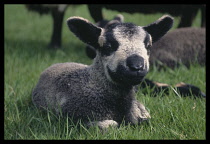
x: 53, y: 83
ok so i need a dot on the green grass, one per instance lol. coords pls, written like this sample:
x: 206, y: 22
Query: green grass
x: 26, y: 56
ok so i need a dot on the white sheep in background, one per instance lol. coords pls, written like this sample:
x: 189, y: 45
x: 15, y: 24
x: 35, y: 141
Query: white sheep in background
x: 102, y: 94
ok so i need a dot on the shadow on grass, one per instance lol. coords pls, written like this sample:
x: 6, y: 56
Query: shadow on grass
x: 30, y: 48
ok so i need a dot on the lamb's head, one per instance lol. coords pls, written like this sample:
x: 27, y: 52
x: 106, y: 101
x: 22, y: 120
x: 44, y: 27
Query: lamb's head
x: 122, y: 48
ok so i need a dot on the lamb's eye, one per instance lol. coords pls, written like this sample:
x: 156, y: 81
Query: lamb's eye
x: 148, y: 46
x: 108, y: 46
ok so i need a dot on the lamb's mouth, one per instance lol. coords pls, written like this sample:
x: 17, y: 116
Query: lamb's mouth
x: 126, y: 77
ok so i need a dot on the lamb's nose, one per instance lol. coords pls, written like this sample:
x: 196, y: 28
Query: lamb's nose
x: 135, y: 63
x: 136, y: 67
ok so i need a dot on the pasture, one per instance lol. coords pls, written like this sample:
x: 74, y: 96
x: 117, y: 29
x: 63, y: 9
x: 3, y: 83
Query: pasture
x: 26, y: 35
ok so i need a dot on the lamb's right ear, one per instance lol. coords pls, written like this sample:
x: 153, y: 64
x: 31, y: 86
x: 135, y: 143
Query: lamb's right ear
x: 160, y: 27
x: 84, y: 30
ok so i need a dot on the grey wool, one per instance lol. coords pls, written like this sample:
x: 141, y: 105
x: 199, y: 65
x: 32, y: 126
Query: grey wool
x: 102, y: 94
x: 182, y: 45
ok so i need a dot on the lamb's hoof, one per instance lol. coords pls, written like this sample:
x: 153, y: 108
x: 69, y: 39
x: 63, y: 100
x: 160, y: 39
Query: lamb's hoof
x: 144, y: 120
x: 103, y: 124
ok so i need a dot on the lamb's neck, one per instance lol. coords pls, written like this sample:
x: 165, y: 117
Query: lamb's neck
x: 98, y: 74
x: 97, y: 71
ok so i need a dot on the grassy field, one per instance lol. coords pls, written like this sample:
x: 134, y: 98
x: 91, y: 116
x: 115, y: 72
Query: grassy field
x: 26, y: 36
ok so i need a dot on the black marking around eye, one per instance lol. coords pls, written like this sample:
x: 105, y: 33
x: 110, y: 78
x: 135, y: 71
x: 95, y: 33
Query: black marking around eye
x: 111, y: 45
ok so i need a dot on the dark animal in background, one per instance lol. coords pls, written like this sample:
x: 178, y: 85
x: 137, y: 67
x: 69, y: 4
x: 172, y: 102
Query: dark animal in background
x: 181, y: 89
x: 57, y: 11
x: 186, y: 12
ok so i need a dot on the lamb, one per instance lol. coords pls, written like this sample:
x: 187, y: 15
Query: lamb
x: 102, y: 94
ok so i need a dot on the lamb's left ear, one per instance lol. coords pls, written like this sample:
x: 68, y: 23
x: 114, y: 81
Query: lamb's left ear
x: 160, y: 27
x: 84, y: 30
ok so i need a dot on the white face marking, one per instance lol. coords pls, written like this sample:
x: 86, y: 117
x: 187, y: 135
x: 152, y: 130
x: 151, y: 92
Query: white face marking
x: 101, y: 39
x: 128, y: 45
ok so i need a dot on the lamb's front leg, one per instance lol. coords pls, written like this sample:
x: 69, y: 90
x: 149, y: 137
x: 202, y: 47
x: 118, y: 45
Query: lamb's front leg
x: 137, y: 113
x: 103, y: 124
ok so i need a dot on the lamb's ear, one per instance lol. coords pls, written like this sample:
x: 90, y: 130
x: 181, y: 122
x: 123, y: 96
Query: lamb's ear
x: 160, y: 27
x: 84, y: 30
x: 119, y: 17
